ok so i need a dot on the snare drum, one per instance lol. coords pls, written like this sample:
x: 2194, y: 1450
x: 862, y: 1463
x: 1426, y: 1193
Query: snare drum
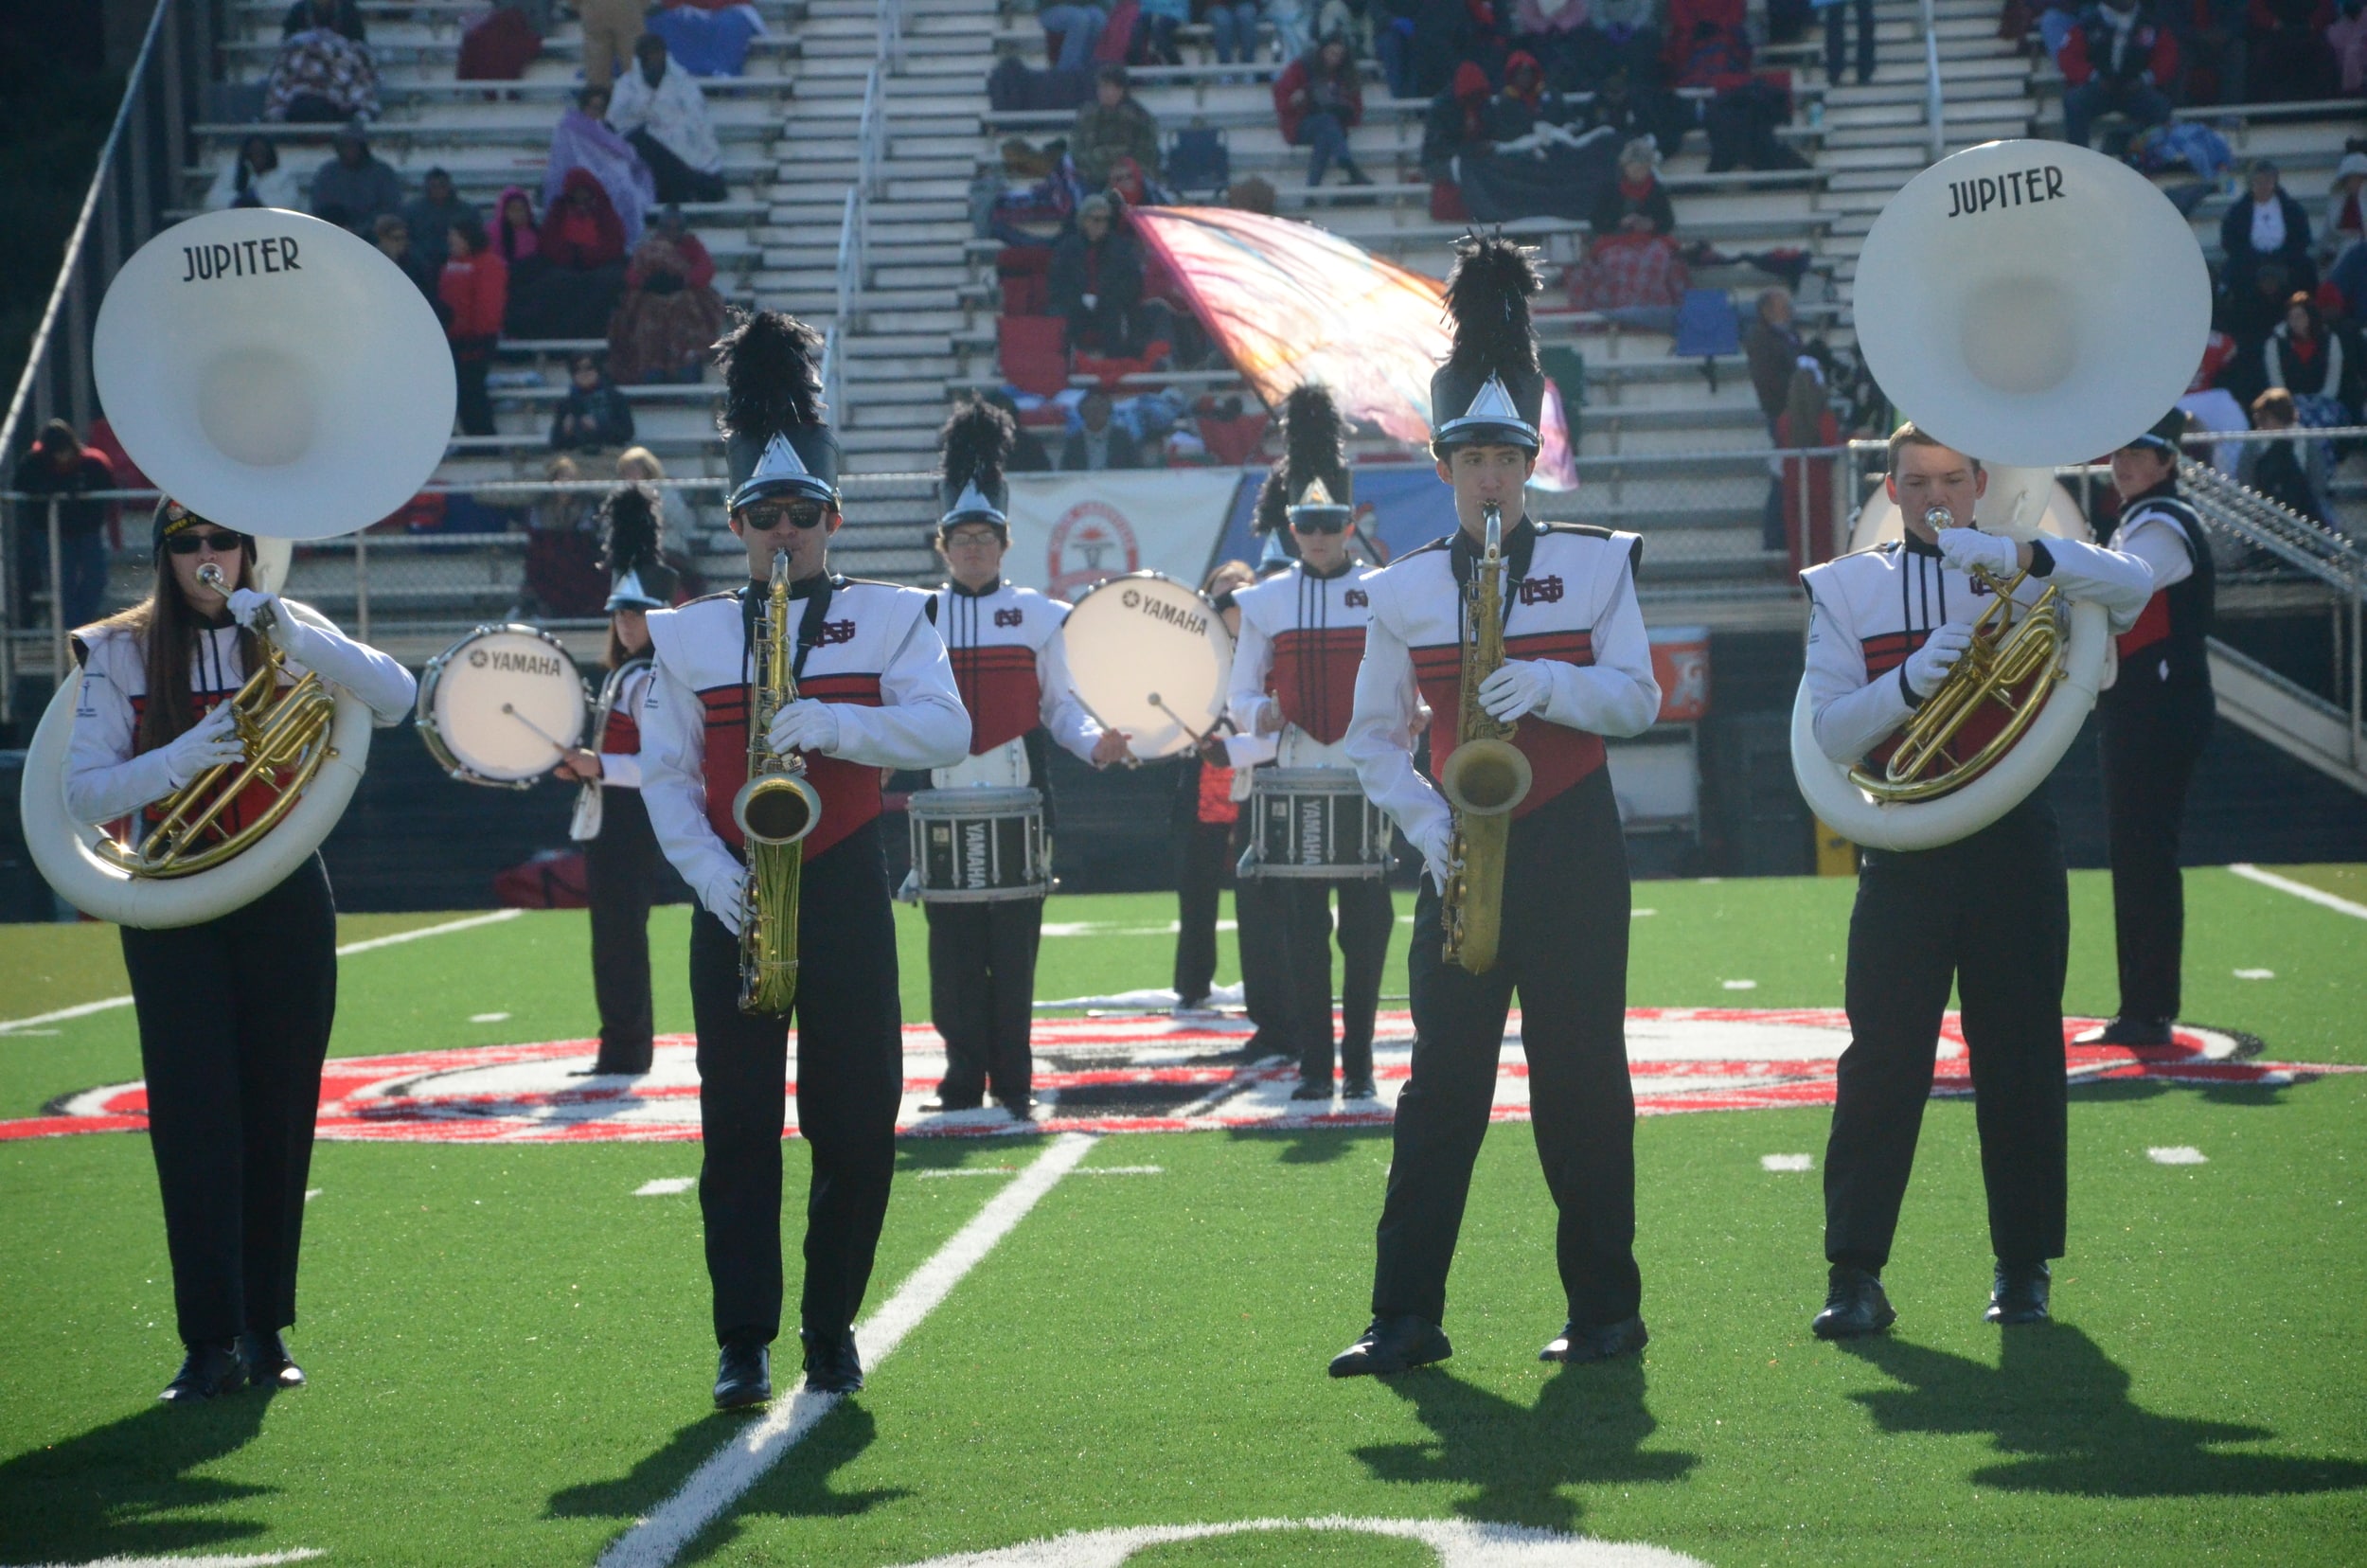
x: 978, y: 846
x: 1313, y: 822
x: 499, y: 705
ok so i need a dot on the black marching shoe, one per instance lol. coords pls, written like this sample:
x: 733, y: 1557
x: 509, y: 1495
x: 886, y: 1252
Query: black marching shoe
x: 1358, y: 1088
x: 1393, y: 1344
x: 2128, y: 1032
x: 1600, y: 1343
x: 941, y: 1102
x: 831, y: 1364
x: 2018, y: 1294
x: 1853, y: 1305
x: 265, y: 1360
x: 1313, y: 1088
x: 743, y: 1375
x: 208, y: 1371
x: 1018, y: 1107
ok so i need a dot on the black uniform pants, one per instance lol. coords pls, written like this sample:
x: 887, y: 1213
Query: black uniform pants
x: 982, y: 987
x: 1367, y: 919
x: 234, y: 1016
x: 624, y: 873
x: 1991, y: 914
x: 1565, y: 952
x: 1261, y: 913
x: 2150, y: 749
x: 850, y: 1083
x: 1202, y: 850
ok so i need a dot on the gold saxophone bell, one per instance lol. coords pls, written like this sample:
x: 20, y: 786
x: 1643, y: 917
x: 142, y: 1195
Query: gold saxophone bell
x: 286, y: 737
x: 775, y: 811
x: 1484, y: 778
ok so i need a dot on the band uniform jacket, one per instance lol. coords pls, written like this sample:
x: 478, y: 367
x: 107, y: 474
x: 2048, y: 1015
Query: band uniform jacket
x: 876, y: 657
x: 1569, y: 594
x: 1011, y: 668
x: 2167, y: 650
x: 1301, y: 637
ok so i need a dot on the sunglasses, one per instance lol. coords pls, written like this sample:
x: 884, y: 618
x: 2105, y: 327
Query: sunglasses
x: 797, y: 514
x: 220, y: 543
x: 1319, y: 525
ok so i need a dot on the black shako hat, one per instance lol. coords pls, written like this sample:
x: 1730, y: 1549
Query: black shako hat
x: 775, y: 439
x: 1311, y: 482
x: 976, y: 442
x: 1490, y: 392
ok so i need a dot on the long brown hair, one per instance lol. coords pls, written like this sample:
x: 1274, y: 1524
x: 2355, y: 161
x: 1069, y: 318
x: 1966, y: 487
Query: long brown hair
x: 166, y: 630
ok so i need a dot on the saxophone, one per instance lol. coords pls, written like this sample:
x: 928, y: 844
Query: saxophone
x: 775, y: 810
x: 1484, y: 777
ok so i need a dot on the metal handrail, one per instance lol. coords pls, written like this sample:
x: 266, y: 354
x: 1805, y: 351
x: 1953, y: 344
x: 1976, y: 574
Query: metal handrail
x: 1934, y: 103
x: 892, y: 34
x: 850, y: 274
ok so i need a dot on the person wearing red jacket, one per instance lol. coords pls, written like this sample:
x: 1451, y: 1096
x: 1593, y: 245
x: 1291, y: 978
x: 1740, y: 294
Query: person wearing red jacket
x: 582, y: 230
x: 475, y: 290
x: 1318, y: 99
x: 2116, y: 59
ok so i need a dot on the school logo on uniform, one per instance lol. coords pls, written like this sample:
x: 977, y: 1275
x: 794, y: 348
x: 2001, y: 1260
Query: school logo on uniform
x: 1356, y: 599
x: 1545, y: 590
x: 1091, y: 542
x: 1011, y: 615
x: 837, y: 632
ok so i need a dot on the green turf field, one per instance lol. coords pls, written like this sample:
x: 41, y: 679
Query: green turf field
x: 511, y: 1354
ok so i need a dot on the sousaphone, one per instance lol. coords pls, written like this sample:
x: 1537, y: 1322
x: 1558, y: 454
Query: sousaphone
x: 279, y: 375
x: 2032, y: 303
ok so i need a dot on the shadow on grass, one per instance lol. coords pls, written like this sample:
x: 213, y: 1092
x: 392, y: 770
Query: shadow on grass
x: 125, y: 1489
x: 2058, y: 1409
x: 1588, y: 1428
x: 1309, y: 1144
x: 2133, y: 1091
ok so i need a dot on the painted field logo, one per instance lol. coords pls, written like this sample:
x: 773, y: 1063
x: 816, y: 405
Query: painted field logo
x: 1127, y: 1075
x: 1458, y: 1544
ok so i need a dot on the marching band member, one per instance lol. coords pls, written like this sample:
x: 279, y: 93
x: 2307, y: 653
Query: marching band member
x: 1578, y: 668
x: 875, y: 692
x: 624, y: 871
x: 234, y: 1011
x: 1294, y: 677
x: 1006, y: 649
x: 1988, y: 913
x: 2156, y: 718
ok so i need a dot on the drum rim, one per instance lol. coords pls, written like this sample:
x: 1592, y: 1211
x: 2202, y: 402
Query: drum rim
x: 425, y: 719
x: 937, y: 802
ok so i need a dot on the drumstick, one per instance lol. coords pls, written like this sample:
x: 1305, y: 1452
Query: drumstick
x: 1198, y: 736
x: 538, y: 729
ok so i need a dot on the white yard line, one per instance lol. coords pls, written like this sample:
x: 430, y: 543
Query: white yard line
x: 2301, y: 890
x: 713, y: 1486
x: 84, y: 1009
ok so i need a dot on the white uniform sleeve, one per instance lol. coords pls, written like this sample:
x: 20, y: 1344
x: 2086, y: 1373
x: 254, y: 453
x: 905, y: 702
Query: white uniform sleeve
x: 314, y: 643
x: 920, y: 722
x: 2119, y: 581
x: 2157, y: 541
x: 1853, y: 715
x: 1064, y: 718
x: 673, y: 786
x: 1380, y: 737
x: 103, y: 780
x: 1246, y: 702
x: 1617, y: 695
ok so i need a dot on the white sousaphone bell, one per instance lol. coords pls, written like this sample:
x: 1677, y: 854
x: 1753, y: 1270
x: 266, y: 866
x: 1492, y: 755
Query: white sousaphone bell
x: 2032, y: 303
x: 283, y: 377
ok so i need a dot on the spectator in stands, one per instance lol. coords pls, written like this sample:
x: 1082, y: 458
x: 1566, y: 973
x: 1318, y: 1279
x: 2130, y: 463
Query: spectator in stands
x: 342, y: 16
x: 1096, y: 283
x: 1027, y: 452
x: 1632, y: 262
x: 1626, y: 38
x: 356, y: 184
x: 1631, y: 110
x: 1155, y: 29
x: 1070, y: 32
x: 321, y: 78
x: 1318, y: 99
x: 1113, y: 126
x: 2292, y: 59
x: 565, y: 580
x: 2269, y: 226
x: 516, y: 233
x: 431, y: 216
x: 1637, y: 202
x: 393, y: 237
x: 255, y: 177
x: 583, y: 139
x: 659, y: 109
x: 670, y: 315
x: 1771, y: 345
x: 2346, y: 35
x: 2116, y: 59
x: 1458, y: 124
x: 639, y: 465
x: 1556, y: 34
x: 2213, y: 43
x: 2274, y: 468
x: 61, y: 467
x: 1099, y: 442
x: 2307, y: 360
x: 475, y: 291
x: 1836, y: 43
x: 609, y: 27
x: 593, y: 414
x: 573, y: 292
x: 2346, y: 208
x: 1232, y: 28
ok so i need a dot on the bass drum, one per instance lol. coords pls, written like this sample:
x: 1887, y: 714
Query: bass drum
x: 1148, y: 656
x: 499, y: 706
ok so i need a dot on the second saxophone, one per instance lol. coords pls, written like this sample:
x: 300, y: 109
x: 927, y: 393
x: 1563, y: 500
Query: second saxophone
x: 1485, y: 778
x: 774, y: 809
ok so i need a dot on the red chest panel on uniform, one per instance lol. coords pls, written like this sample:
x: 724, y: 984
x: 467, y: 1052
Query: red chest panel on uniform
x: 252, y: 802
x: 1884, y: 654
x: 1558, y: 756
x: 1215, y: 802
x: 2152, y: 626
x: 621, y: 736
x: 1314, y: 678
x: 849, y: 791
x: 999, y: 687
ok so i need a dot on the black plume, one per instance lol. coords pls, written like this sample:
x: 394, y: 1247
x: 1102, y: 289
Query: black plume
x: 1314, y: 440
x: 1487, y: 296
x: 629, y: 528
x: 1274, y: 499
x: 977, y: 442
x: 772, y: 367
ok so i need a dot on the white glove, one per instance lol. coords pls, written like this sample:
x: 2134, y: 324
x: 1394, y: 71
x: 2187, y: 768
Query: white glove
x: 1518, y: 689
x: 246, y: 602
x: 1965, y: 549
x: 1927, y: 665
x: 209, y: 742
x: 806, y: 724
x: 723, y: 903
x: 1433, y: 846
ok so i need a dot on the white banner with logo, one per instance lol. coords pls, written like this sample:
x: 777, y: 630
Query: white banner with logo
x: 1071, y: 530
